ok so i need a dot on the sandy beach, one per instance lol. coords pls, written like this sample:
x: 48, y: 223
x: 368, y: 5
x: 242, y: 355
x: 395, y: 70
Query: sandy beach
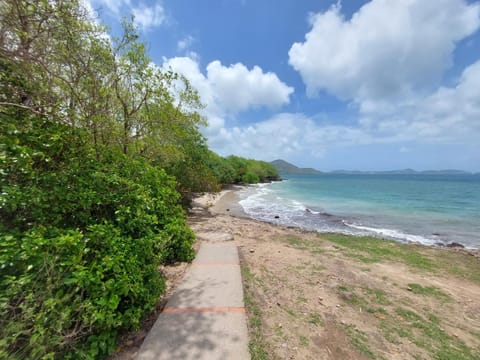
x: 312, y: 296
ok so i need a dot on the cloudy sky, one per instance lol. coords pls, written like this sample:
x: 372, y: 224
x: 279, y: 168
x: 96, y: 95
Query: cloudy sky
x: 368, y: 85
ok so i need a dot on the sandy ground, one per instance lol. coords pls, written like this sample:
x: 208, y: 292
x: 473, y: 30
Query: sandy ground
x: 317, y: 299
x: 311, y: 297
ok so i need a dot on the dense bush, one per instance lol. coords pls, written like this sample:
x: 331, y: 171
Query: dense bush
x: 250, y: 178
x: 96, y: 147
x: 82, y: 236
x: 251, y: 171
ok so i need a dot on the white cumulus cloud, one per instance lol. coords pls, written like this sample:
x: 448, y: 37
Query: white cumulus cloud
x: 450, y: 115
x: 286, y: 135
x: 230, y: 90
x: 237, y: 88
x: 386, y: 51
x: 148, y: 17
x: 145, y: 16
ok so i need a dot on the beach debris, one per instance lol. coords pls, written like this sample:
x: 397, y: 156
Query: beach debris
x: 252, y: 250
x: 380, y: 316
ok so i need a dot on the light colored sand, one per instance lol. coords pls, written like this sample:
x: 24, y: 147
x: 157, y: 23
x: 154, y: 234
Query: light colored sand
x: 224, y: 202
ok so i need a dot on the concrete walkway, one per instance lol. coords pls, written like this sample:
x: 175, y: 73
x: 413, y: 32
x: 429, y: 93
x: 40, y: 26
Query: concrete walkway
x: 205, y: 317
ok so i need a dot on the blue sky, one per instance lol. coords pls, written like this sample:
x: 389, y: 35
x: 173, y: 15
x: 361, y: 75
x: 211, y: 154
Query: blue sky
x: 368, y: 85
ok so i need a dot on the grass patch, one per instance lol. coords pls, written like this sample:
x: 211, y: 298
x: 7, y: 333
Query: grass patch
x: 379, y: 296
x: 359, y: 340
x: 370, y: 250
x: 373, y: 310
x: 432, y: 291
x: 304, y: 340
x: 393, y: 331
x: 257, y: 345
x: 315, y: 319
x: 408, y: 315
x: 427, y: 333
x: 297, y: 242
x: 459, y: 264
x: 369, y: 299
x: 303, y: 244
x: 291, y: 313
x: 345, y: 288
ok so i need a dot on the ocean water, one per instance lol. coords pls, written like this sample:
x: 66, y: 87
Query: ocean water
x: 428, y: 209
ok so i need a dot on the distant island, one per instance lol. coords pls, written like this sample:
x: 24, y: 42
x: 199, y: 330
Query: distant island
x: 404, y: 172
x: 284, y: 167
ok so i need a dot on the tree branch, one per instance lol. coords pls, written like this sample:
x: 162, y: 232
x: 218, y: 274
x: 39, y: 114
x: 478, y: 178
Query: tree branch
x: 21, y: 107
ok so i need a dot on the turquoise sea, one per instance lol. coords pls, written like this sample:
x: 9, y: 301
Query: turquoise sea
x: 429, y: 209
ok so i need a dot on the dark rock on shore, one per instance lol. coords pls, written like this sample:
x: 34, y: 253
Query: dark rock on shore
x: 455, y: 245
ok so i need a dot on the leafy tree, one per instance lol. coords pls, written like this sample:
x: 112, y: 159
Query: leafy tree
x: 97, y: 147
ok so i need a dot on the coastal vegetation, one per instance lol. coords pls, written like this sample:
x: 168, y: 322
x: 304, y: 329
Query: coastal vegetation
x: 99, y: 147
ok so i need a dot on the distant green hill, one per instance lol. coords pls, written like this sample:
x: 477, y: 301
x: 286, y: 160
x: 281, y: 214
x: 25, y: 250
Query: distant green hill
x: 284, y: 167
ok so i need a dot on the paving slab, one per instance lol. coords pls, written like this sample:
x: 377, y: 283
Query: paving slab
x: 209, y: 286
x: 217, y: 254
x: 205, y: 317
x: 189, y: 336
x: 215, y: 237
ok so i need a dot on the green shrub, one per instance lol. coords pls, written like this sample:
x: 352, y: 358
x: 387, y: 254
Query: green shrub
x: 250, y: 178
x: 82, y: 234
x: 67, y: 294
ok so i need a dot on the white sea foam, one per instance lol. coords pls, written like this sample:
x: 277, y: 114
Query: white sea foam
x: 394, y: 234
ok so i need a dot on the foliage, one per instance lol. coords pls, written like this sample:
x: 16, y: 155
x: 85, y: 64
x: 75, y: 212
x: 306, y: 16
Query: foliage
x: 97, y: 147
x: 66, y: 293
x: 81, y: 240
x: 250, y: 178
x: 252, y: 171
